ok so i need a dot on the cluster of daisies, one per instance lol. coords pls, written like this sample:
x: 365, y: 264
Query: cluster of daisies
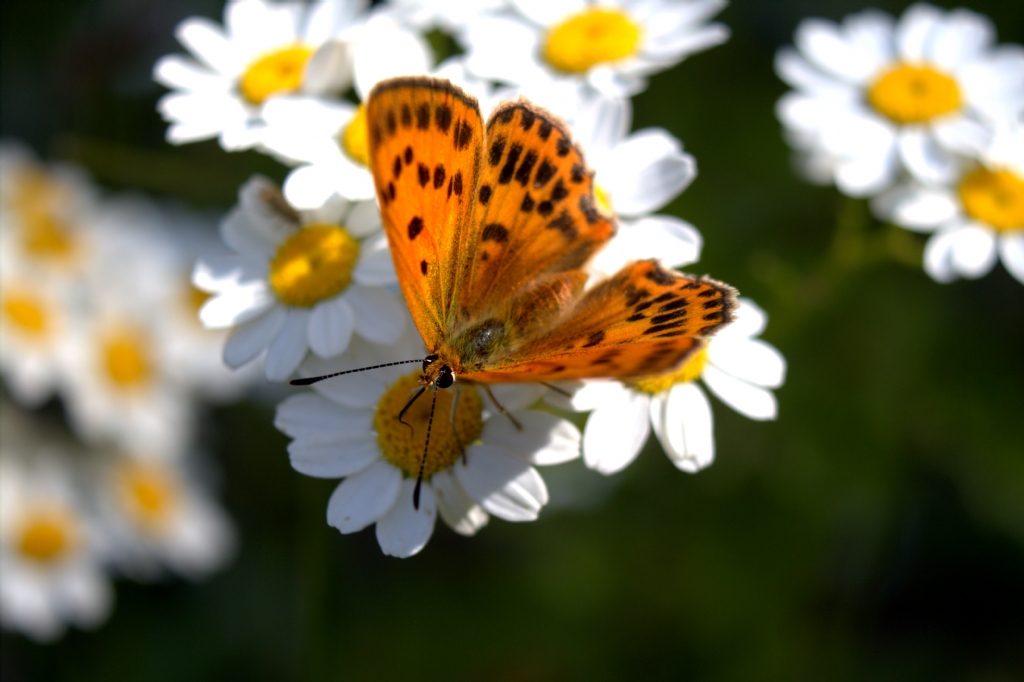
x: 99, y: 317
x: 923, y: 114
x: 309, y: 288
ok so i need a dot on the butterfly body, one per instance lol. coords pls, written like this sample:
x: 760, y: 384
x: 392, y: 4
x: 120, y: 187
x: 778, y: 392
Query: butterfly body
x: 490, y: 227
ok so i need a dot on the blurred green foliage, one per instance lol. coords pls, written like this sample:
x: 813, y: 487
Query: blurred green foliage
x: 875, y: 531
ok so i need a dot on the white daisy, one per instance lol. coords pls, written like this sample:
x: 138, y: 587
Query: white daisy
x: 873, y: 96
x: 349, y: 428
x: 737, y: 367
x: 266, y: 49
x: 48, y: 558
x: 155, y: 516
x: 608, y: 46
x: 299, y: 280
x: 973, y: 220
x: 328, y: 139
x: 635, y: 175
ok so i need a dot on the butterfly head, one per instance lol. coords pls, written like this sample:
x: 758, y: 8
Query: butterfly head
x: 437, y: 372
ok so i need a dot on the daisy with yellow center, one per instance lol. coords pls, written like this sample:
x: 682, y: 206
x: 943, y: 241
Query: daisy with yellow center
x: 976, y: 220
x: 610, y: 47
x: 299, y: 281
x: 875, y: 97
x: 264, y: 50
x: 478, y: 463
x: 159, y: 519
x: 737, y: 367
x: 51, y: 571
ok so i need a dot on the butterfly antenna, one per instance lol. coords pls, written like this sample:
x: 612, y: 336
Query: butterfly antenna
x: 423, y: 460
x: 408, y: 405
x: 312, y: 380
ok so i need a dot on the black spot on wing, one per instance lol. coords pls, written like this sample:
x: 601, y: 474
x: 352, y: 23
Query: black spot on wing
x: 528, y: 204
x: 423, y: 116
x: 415, y: 227
x: 397, y: 169
x: 562, y: 147
x: 408, y: 155
x: 526, y: 167
x: 390, y: 121
x: 545, y: 208
x: 673, y: 305
x: 496, y: 151
x: 559, y: 192
x: 406, y: 116
x: 707, y: 293
x: 443, y: 117
x: 505, y: 176
x: 495, y: 232
x: 505, y: 115
x: 457, y: 185
x: 564, y: 223
x: 438, y: 176
x: 462, y: 135
x: 545, y: 171
x: 423, y: 266
x: 391, y: 191
x: 577, y: 173
x: 664, y: 327
x: 594, y: 339
x: 485, y: 194
x: 588, y: 209
x: 668, y: 317
x: 527, y: 119
x: 660, y: 275
x: 423, y: 174
x: 544, y: 131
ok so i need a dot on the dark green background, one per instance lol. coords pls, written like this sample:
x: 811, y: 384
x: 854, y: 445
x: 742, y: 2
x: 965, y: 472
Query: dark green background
x: 875, y: 531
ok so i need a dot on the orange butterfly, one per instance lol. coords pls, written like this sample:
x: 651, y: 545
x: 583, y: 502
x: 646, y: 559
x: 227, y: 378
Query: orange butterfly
x: 490, y: 228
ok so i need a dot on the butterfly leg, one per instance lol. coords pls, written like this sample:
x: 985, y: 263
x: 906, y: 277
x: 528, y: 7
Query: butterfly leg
x: 556, y: 389
x: 413, y: 395
x: 451, y: 418
x: 501, y: 408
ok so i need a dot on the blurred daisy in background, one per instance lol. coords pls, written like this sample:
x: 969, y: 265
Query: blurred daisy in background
x: 479, y: 463
x: 451, y: 16
x: 265, y: 49
x: 607, y: 47
x: 299, y: 280
x: 635, y: 175
x: 874, y: 96
x: 737, y: 367
x: 327, y: 139
x: 157, y: 518
x: 52, y: 575
x: 975, y: 220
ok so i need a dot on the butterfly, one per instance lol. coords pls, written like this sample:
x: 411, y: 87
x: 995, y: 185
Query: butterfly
x: 490, y: 227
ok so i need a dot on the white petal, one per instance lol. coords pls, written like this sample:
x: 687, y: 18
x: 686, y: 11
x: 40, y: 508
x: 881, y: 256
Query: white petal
x: 315, y: 419
x: 961, y: 38
x: 385, y: 50
x: 502, y: 49
x: 333, y: 459
x: 602, y: 123
x: 797, y: 72
x: 286, y: 351
x: 457, y: 508
x: 378, y: 315
x: 1011, y: 250
x: 237, y: 306
x: 615, y: 433
x: 866, y: 176
x: 223, y: 273
x: 329, y: 70
x: 748, y: 320
x: 925, y: 159
x: 250, y: 338
x: 651, y: 170
x: 599, y: 393
x: 960, y: 251
x: 180, y: 73
x: 206, y: 40
x: 236, y: 230
x: 751, y: 360
x: 917, y: 208
x: 375, y: 266
x: 548, y: 12
x: 364, y: 497
x: 673, y: 241
x: 747, y: 399
x: 363, y: 220
x: 915, y: 29
x: 688, y: 432
x: 330, y: 327
x: 827, y: 49
x: 404, y: 530
x: 543, y: 439
x: 513, y: 397
x: 503, y: 485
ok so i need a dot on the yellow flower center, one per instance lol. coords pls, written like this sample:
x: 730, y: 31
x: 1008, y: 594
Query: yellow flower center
x: 403, y: 446
x: 279, y: 72
x: 46, y: 236
x: 126, y: 359
x: 914, y: 94
x: 658, y: 383
x: 995, y: 198
x: 46, y: 536
x: 313, y: 264
x: 354, y: 139
x: 195, y: 298
x: 27, y: 313
x: 596, y: 35
x: 149, y: 494
x: 604, y: 199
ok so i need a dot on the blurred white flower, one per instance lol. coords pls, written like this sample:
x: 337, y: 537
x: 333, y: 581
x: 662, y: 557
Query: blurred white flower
x: 975, y: 219
x: 299, y: 280
x: 51, y: 570
x: 156, y: 517
x: 635, y: 175
x: 328, y: 139
x: 873, y: 96
x: 265, y: 49
x: 737, y: 367
x: 451, y: 16
x: 610, y: 47
x: 479, y: 463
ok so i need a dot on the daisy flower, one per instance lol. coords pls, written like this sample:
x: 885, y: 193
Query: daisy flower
x: 51, y: 570
x: 609, y: 46
x: 299, y: 280
x: 155, y: 515
x: 479, y: 463
x: 634, y: 176
x: 737, y: 367
x: 973, y: 219
x: 265, y: 49
x: 874, y: 96
x: 451, y: 16
x: 328, y: 139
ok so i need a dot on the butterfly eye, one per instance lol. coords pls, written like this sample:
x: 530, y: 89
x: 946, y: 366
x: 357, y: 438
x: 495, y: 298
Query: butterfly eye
x: 445, y: 378
x: 427, y: 361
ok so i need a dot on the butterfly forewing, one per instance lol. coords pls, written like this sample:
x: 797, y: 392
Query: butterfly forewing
x: 425, y: 138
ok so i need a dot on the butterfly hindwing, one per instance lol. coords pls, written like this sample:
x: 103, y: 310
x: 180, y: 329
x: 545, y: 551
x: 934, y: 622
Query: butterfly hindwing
x: 643, y: 320
x: 425, y: 139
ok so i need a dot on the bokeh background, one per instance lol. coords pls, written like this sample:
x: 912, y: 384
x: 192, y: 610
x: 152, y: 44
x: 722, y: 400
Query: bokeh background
x: 875, y: 531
